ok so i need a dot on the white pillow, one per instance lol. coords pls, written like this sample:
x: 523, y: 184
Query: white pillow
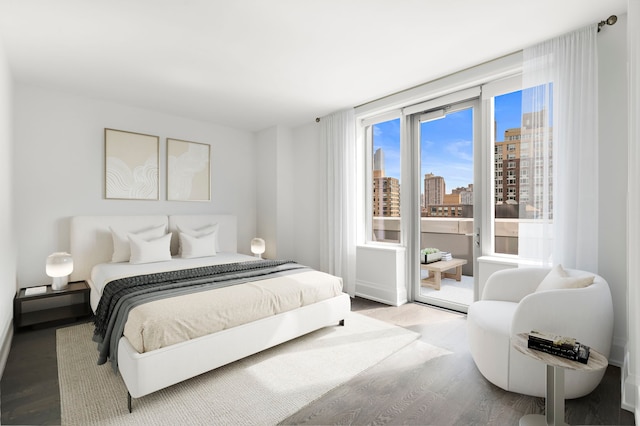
x: 202, y: 246
x: 121, y: 245
x: 199, y: 232
x: 156, y: 250
x: 558, y: 278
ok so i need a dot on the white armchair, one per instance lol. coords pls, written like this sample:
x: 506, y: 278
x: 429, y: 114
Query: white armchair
x: 510, y: 305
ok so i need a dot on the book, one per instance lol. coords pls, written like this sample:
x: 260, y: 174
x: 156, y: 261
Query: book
x: 31, y: 291
x: 551, y: 339
x: 579, y: 353
x: 566, y: 347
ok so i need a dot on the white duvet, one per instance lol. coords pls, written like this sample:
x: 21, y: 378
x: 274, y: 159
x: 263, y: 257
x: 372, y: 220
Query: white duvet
x: 166, y: 322
x: 169, y: 321
x: 104, y: 273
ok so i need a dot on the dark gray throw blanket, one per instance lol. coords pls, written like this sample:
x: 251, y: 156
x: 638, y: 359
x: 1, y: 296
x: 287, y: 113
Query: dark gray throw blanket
x: 122, y: 295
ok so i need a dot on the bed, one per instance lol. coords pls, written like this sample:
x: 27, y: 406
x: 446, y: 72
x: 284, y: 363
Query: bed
x: 147, y: 366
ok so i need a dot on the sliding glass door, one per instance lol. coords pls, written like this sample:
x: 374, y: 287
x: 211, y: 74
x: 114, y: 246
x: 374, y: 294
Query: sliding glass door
x: 445, y: 139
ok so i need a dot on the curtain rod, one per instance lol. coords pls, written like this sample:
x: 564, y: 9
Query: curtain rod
x: 609, y: 21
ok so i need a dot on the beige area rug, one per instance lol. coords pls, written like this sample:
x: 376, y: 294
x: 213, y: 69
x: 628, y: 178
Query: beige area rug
x: 262, y: 389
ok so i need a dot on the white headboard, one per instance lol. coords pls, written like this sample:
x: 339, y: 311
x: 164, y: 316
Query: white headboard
x: 91, y: 241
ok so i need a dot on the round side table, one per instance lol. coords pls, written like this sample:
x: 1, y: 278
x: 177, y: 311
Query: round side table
x: 554, y: 401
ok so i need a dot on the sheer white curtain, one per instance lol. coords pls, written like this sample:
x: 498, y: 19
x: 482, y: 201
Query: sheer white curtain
x: 338, y: 218
x: 560, y: 136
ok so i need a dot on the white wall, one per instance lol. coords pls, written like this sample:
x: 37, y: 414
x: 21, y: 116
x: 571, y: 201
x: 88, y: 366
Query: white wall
x: 286, y: 196
x: 59, y: 172
x: 266, y: 192
x: 306, y: 187
x: 7, y: 249
x: 631, y: 368
x: 612, y: 229
x: 275, y: 194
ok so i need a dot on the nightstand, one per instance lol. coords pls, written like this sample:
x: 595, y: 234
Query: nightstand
x: 75, y: 310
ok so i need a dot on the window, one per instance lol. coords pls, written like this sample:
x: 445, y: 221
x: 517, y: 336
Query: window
x: 510, y: 146
x: 384, y: 142
x: 518, y: 205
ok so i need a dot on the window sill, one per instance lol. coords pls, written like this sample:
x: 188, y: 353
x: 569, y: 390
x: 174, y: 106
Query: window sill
x: 382, y: 246
x: 512, y: 261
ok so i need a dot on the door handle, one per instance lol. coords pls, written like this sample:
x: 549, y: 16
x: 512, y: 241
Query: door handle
x: 476, y: 238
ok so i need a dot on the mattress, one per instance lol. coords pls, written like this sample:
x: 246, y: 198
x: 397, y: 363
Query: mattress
x: 168, y: 321
x: 165, y: 322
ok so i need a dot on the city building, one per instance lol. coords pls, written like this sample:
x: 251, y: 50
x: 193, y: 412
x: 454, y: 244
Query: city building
x: 436, y: 202
x: 386, y: 189
x: 519, y: 179
x: 434, y: 190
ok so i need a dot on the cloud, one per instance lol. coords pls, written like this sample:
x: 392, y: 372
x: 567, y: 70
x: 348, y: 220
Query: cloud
x: 453, y: 160
x: 460, y: 149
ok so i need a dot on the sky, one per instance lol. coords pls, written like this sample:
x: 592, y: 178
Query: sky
x: 446, y: 144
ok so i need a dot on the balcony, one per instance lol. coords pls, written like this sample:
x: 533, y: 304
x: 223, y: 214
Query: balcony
x: 454, y: 235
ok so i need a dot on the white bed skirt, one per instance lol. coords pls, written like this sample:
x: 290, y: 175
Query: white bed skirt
x: 151, y: 371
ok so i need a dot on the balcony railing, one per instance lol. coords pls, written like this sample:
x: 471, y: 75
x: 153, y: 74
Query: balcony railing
x: 454, y: 235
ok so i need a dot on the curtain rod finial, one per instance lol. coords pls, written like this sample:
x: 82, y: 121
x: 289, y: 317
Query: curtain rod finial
x: 610, y: 21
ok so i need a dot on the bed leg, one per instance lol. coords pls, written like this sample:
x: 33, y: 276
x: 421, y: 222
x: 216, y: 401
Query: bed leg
x: 341, y: 323
x: 129, y: 401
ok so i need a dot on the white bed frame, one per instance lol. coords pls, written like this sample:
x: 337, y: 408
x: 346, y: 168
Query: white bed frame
x: 91, y: 243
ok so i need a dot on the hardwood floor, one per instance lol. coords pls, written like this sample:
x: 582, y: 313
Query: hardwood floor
x: 409, y: 387
x: 29, y: 386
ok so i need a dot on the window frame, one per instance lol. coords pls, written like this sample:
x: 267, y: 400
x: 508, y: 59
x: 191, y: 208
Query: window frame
x: 488, y: 75
x: 491, y: 90
x: 366, y: 125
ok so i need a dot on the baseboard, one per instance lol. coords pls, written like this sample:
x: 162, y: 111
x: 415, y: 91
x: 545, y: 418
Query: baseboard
x: 616, y: 356
x: 630, y: 389
x: 6, y: 336
x: 383, y: 294
x: 630, y: 397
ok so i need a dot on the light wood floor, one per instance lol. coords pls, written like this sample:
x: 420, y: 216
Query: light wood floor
x: 409, y: 388
x: 406, y: 388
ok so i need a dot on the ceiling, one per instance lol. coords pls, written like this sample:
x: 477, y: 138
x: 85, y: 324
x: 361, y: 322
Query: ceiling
x: 253, y: 64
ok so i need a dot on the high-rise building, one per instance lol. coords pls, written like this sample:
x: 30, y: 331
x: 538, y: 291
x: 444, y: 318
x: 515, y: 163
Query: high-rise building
x: 507, y: 168
x: 519, y: 178
x: 434, y: 190
x: 386, y: 196
x: 386, y: 189
x: 378, y: 163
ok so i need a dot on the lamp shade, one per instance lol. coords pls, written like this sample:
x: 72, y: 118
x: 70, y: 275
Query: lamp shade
x: 59, y: 266
x: 257, y: 247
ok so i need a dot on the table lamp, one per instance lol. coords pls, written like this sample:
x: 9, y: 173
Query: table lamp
x: 257, y: 247
x: 59, y: 267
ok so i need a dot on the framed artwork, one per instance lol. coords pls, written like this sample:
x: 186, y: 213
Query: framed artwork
x: 188, y: 171
x: 131, y: 165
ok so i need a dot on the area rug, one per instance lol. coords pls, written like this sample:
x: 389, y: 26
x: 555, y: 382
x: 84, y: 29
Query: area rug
x: 261, y: 389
